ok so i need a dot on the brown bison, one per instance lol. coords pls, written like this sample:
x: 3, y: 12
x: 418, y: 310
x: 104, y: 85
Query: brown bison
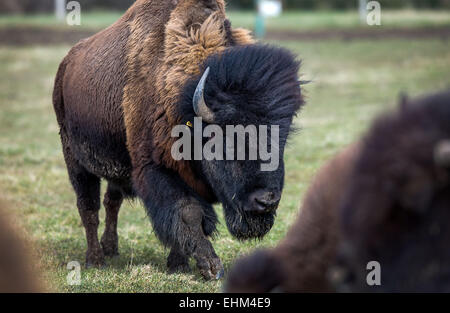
x: 120, y: 93
x: 384, y: 199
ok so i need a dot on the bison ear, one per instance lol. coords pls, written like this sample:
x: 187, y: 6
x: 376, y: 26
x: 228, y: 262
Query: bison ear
x: 442, y: 153
x: 199, y: 103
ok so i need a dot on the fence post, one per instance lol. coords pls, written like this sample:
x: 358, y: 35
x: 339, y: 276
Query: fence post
x: 60, y: 9
x: 260, y: 27
x: 363, y: 11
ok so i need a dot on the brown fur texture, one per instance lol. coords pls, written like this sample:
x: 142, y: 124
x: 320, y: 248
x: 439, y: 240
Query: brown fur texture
x: 311, y: 243
x: 192, y: 33
x: 384, y: 199
x: 397, y: 206
x: 156, y: 46
x: 15, y: 267
x: 299, y: 262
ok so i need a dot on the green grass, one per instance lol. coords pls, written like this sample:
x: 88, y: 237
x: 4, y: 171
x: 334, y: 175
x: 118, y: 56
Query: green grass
x: 315, y: 20
x: 352, y: 82
x: 293, y: 21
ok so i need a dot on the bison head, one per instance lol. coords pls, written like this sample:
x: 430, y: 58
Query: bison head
x: 254, y: 89
x: 397, y: 207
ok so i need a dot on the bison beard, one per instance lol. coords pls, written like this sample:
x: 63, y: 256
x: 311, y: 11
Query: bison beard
x: 384, y: 199
x: 243, y: 225
x: 118, y: 95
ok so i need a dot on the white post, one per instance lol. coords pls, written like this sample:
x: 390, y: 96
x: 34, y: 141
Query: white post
x: 60, y: 9
x: 363, y: 11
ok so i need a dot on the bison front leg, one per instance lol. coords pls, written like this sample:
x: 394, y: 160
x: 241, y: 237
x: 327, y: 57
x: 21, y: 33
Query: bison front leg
x: 180, y: 219
x: 197, y: 244
x: 178, y: 261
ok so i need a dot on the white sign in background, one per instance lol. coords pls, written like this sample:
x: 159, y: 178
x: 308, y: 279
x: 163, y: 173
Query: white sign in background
x: 270, y: 8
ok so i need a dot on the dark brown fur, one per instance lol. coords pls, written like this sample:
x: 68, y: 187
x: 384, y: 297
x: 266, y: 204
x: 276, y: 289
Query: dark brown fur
x: 135, y: 71
x: 193, y: 32
x: 385, y: 199
x: 299, y: 263
x: 15, y: 263
x: 311, y: 242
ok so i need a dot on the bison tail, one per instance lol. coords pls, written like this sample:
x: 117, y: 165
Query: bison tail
x: 58, y: 99
x: 256, y: 273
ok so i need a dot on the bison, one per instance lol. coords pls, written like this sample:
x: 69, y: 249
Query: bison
x: 119, y: 94
x: 385, y: 198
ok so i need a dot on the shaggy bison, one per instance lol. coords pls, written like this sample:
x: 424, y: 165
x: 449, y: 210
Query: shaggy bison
x: 119, y: 94
x: 384, y: 199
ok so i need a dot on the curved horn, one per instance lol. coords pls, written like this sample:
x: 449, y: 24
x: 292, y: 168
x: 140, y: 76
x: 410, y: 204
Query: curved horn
x: 199, y: 104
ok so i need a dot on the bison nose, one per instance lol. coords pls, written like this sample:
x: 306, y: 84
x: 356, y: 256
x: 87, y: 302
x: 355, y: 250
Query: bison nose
x: 262, y: 201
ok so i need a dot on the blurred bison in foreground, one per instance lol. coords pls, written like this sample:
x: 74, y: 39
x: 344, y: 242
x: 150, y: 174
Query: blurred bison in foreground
x: 384, y: 199
x: 119, y: 95
x: 16, y: 273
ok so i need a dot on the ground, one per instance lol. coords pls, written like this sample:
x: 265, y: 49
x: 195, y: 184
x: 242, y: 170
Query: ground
x: 352, y: 81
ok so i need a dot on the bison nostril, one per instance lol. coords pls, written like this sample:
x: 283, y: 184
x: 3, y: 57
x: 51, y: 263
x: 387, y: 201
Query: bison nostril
x: 265, y: 202
x: 262, y: 201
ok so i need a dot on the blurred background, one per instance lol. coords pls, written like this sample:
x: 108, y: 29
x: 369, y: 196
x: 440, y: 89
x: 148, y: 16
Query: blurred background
x: 292, y: 16
x: 356, y: 71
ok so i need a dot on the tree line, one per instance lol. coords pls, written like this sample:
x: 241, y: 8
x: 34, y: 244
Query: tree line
x: 39, y: 6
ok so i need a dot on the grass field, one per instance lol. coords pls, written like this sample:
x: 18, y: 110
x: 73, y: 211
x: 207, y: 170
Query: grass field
x: 352, y: 82
x: 292, y: 21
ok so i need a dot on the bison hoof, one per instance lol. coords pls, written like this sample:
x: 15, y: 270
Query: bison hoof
x: 110, y: 246
x: 211, y: 269
x: 95, y: 259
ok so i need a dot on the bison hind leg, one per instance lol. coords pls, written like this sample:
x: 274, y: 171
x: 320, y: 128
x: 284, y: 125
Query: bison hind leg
x: 112, y: 202
x: 87, y: 189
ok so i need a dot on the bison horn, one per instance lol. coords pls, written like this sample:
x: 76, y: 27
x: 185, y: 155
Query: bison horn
x: 442, y: 153
x: 199, y: 103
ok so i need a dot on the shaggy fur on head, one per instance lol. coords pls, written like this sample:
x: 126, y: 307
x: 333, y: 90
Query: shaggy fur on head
x: 249, y: 85
x: 385, y: 199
